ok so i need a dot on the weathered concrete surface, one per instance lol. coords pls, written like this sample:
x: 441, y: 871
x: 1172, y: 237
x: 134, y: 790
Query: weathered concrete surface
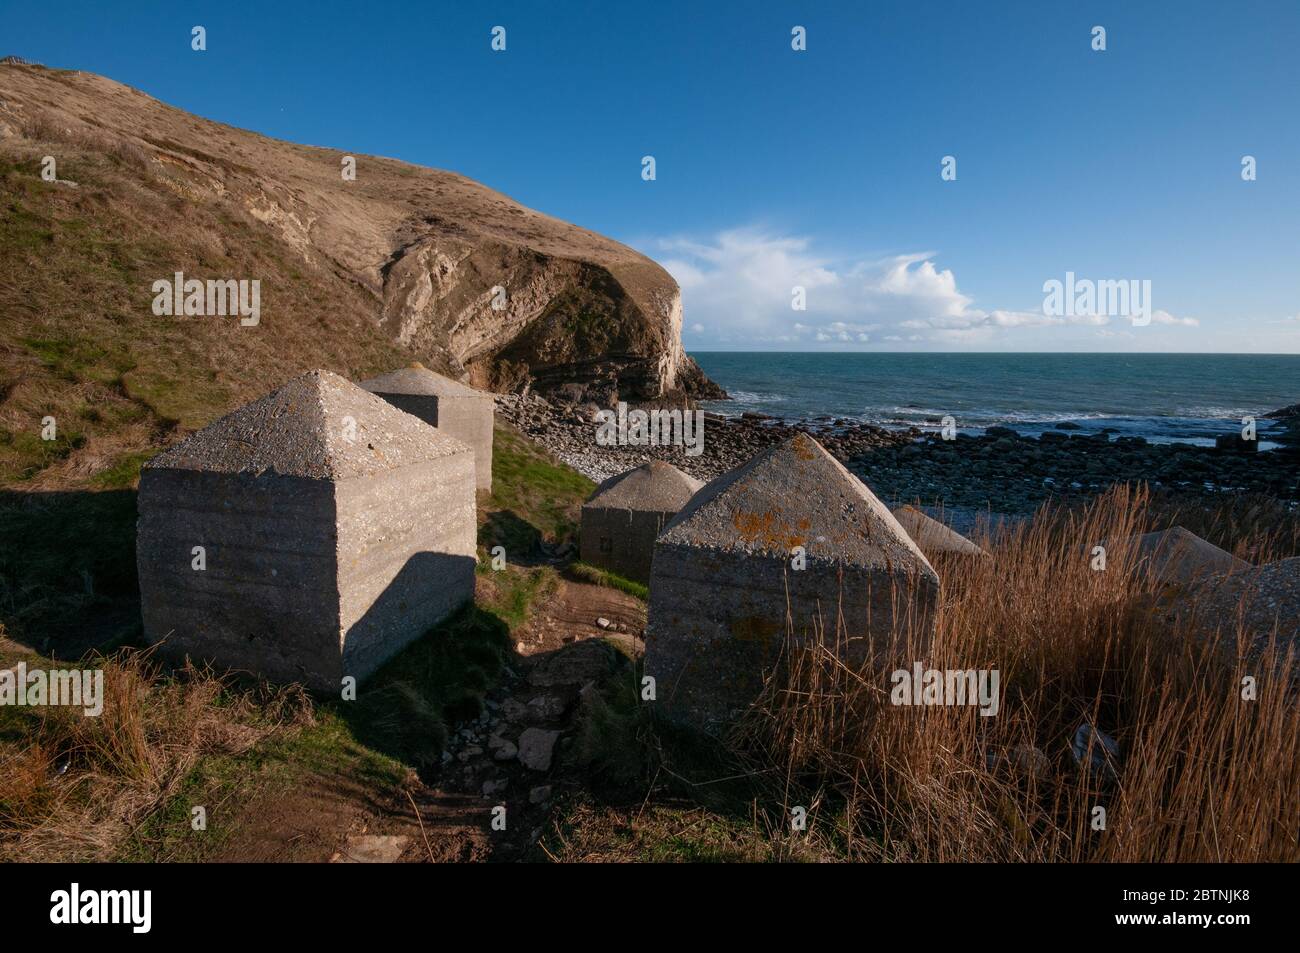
x: 1176, y: 556
x: 626, y: 513
x: 724, y: 596
x: 1261, y: 599
x: 459, y: 411
x: 335, y: 530
x: 932, y: 537
x: 406, y: 554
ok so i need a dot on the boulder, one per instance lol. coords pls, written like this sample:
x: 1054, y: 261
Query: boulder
x: 537, y: 748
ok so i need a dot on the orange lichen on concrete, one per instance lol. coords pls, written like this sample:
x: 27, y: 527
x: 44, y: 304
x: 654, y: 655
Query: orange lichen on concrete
x: 767, y: 529
x: 756, y: 629
x: 803, y: 446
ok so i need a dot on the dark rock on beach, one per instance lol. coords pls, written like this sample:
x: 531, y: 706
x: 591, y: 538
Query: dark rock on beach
x: 1290, y: 418
x: 569, y: 432
x: 999, y: 470
x: 1016, y: 474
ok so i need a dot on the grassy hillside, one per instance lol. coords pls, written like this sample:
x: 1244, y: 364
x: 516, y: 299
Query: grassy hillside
x: 81, y: 344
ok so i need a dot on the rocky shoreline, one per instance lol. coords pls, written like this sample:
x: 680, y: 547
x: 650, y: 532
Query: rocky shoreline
x: 568, y: 430
x: 1010, y: 473
x: 999, y: 471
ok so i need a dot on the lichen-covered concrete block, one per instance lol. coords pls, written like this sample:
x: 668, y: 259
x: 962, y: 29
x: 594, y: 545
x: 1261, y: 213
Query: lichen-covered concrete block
x: 625, y: 514
x: 307, y: 536
x: 459, y: 411
x: 725, y: 593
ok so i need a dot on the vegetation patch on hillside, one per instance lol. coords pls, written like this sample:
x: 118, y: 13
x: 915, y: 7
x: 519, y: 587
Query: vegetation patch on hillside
x: 535, y: 498
x: 585, y: 572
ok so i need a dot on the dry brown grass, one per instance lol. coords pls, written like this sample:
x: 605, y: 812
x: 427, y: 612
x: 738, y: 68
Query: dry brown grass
x: 1203, y: 775
x: 74, y: 787
x: 1251, y: 526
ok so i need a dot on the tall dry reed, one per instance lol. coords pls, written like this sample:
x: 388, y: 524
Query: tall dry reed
x: 1202, y: 774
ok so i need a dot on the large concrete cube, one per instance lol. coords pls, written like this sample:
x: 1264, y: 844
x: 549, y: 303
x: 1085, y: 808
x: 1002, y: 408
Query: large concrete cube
x: 625, y: 514
x: 725, y: 596
x: 307, y: 536
x: 458, y: 411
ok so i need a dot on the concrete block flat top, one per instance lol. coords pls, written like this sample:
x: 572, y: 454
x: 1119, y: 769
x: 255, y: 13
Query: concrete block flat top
x: 932, y: 536
x: 317, y: 426
x: 417, y: 380
x: 1177, y: 555
x: 655, y: 486
x: 795, y: 494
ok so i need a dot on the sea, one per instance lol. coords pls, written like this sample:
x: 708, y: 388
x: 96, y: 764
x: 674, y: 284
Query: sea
x: 1166, y: 398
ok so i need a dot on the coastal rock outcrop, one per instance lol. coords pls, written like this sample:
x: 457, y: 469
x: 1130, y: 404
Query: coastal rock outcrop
x: 455, y: 274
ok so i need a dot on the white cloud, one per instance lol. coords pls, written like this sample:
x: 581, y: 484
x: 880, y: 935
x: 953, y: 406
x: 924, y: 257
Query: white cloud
x: 742, y: 283
x: 1164, y: 317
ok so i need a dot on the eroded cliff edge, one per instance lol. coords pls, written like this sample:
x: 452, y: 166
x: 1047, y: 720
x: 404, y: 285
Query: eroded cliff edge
x: 425, y: 253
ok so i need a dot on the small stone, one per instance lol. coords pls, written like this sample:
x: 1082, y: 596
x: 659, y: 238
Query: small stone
x: 539, y: 794
x: 536, y: 748
x: 372, y: 849
x: 506, y: 751
x: 1025, y: 759
x: 495, y: 787
x: 512, y: 710
x: 546, y: 707
x: 603, y: 622
x: 1099, y: 748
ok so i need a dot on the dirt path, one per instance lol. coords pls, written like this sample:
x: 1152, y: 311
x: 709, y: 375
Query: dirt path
x: 502, y: 769
x: 574, y: 612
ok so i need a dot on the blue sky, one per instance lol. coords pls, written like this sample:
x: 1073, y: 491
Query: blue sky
x: 820, y: 168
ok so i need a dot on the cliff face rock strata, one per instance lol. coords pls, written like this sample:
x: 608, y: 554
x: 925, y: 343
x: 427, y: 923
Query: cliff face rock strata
x: 425, y: 246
